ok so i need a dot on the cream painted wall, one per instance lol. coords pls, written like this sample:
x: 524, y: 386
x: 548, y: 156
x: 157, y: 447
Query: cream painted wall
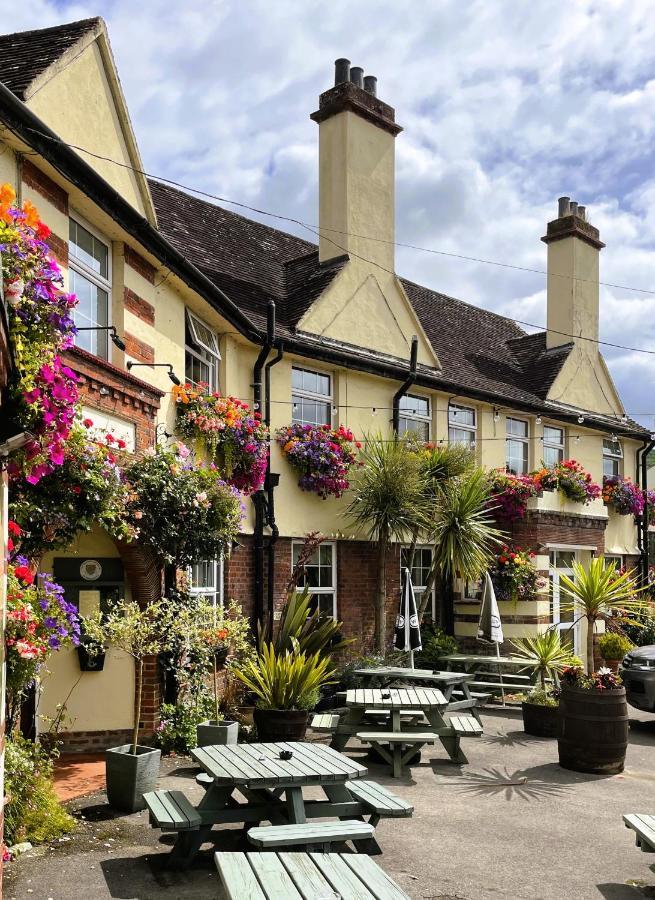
x: 98, y: 700
x: 77, y: 104
x: 8, y: 172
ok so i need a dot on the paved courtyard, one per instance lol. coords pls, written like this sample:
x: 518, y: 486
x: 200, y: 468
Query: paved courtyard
x: 511, y: 824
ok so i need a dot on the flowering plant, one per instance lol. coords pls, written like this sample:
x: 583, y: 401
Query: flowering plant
x: 514, y: 575
x: 602, y: 680
x: 570, y: 478
x: 235, y: 437
x: 626, y: 498
x: 85, y: 490
x: 185, y: 512
x: 650, y: 506
x: 323, y: 455
x: 39, y: 620
x: 40, y: 327
x: 510, y: 495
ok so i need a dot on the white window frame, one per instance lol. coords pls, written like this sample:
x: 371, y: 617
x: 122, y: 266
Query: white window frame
x: 557, y: 595
x: 615, y: 456
x: 325, y: 399
x: 201, y: 351
x: 323, y: 590
x: 217, y: 593
x: 616, y: 557
x: 81, y: 268
x: 552, y: 444
x: 420, y: 587
x: 407, y: 417
x: 519, y: 440
x: 460, y: 426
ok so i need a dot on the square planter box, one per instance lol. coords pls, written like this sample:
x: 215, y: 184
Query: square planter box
x: 130, y: 776
x: 211, y: 732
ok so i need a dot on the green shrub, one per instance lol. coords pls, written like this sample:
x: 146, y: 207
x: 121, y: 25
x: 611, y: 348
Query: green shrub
x: 436, y: 644
x: 32, y: 810
x: 614, y: 646
x: 176, y: 732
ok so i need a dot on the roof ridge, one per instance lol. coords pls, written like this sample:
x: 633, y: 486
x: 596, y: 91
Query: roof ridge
x: 91, y: 20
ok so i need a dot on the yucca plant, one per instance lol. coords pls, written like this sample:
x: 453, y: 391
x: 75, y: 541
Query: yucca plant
x: 600, y: 593
x: 543, y: 654
x: 286, y: 679
x: 311, y: 632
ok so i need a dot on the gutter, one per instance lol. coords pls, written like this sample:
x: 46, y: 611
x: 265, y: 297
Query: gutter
x: 406, y: 385
x: 271, y: 482
x: 36, y: 134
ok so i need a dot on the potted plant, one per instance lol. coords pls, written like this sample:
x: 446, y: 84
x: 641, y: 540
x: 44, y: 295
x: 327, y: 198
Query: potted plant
x: 592, y: 726
x: 132, y: 769
x: 613, y: 647
x: 545, y: 656
x: 286, y: 685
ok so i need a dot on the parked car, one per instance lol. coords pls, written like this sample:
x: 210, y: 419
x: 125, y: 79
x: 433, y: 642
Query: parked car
x: 638, y: 673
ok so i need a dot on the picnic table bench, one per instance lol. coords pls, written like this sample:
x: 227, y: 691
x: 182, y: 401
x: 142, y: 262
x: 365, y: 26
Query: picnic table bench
x: 272, y: 788
x: 644, y: 827
x: 486, y: 672
x: 304, y: 876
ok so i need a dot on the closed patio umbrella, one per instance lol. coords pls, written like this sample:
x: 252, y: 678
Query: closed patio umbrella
x: 408, y: 632
x: 490, y: 628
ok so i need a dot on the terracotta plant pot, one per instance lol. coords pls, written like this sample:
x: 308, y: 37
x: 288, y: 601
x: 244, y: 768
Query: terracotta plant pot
x: 212, y: 732
x: 280, y: 724
x: 245, y: 714
x: 130, y: 776
x: 612, y: 664
x: 539, y: 720
x: 592, y: 730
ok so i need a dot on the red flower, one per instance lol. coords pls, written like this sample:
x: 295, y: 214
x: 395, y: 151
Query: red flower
x: 42, y: 231
x: 76, y: 489
x: 87, y: 423
x: 110, y: 438
x: 10, y: 545
x: 23, y: 574
x: 14, y: 528
x: 121, y: 444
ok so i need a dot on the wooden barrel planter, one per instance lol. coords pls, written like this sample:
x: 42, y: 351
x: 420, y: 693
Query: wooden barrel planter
x: 592, y: 730
x: 280, y: 724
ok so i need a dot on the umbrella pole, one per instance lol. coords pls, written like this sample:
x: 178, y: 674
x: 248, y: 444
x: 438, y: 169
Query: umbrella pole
x: 502, y: 688
x: 411, y: 659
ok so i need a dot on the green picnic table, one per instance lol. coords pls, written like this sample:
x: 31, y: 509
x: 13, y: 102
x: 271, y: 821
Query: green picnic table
x: 273, y: 791
x: 485, y: 667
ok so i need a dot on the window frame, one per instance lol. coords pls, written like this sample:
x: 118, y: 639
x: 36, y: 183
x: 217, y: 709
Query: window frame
x: 325, y: 399
x: 322, y: 590
x: 618, y: 559
x: 471, y: 429
x: 432, y: 605
x: 218, y: 593
x: 615, y: 457
x: 200, y: 351
x: 77, y: 265
x: 410, y: 416
x: 509, y: 437
x: 552, y: 445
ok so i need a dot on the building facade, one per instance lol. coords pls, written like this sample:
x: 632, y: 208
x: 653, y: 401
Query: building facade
x: 191, y: 285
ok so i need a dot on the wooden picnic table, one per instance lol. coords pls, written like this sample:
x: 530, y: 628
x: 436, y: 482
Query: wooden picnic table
x: 483, y: 667
x: 272, y: 788
x: 446, y: 682
x: 398, y: 701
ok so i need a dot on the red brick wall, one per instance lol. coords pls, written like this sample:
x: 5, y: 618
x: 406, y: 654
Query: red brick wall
x: 540, y: 528
x: 138, y: 306
x: 59, y: 248
x: 139, y: 264
x: 45, y: 186
x: 137, y: 349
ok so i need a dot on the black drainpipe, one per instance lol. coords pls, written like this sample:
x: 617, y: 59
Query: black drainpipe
x: 406, y: 385
x: 271, y: 482
x: 642, y: 461
x: 259, y: 497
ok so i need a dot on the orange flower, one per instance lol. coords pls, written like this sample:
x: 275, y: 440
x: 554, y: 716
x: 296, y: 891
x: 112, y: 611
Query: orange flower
x: 31, y: 214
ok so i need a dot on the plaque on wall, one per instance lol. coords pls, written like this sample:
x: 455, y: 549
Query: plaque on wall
x: 90, y: 570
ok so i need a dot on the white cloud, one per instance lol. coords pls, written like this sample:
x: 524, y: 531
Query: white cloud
x: 502, y: 113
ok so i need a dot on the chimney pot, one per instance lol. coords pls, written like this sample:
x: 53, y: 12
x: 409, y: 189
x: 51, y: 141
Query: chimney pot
x: 564, y: 204
x: 582, y: 213
x: 341, y: 70
x: 357, y: 76
x: 371, y: 84
x: 574, y: 207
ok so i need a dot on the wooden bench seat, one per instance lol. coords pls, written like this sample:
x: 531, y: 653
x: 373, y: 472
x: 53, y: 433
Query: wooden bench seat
x: 507, y: 686
x: 479, y: 696
x: 644, y: 827
x: 409, y: 715
x: 466, y: 726
x: 304, y: 876
x: 325, y: 722
x: 310, y: 834
x: 397, y: 747
x: 380, y: 801
x: 204, y: 780
x: 172, y: 811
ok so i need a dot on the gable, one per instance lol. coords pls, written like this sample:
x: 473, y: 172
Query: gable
x: 79, y: 97
x: 584, y: 382
x: 372, y: 311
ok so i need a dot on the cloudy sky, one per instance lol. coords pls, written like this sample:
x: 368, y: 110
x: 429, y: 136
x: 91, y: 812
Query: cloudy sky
x: 505, y: 107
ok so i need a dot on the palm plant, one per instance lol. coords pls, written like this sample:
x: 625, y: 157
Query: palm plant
x: 463, y: 536
x: 390, y: 502
x: 600, y: 593
x: 312, y: 632
x: 285, y: 679
x: 544, y: 654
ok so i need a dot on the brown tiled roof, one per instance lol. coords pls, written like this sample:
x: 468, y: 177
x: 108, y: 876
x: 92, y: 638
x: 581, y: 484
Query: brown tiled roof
x: 27, y: 54
x: 479, y: 350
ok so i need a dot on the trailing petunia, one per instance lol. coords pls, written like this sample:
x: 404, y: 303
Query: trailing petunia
x: 623, y: 495
x: 510, y: 495
x: 323, y: 455
x: 233, y: 436
x: 514, y: 574
x: 570, y: 478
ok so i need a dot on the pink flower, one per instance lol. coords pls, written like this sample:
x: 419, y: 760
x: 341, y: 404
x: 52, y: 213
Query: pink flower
x: 88, y: 423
